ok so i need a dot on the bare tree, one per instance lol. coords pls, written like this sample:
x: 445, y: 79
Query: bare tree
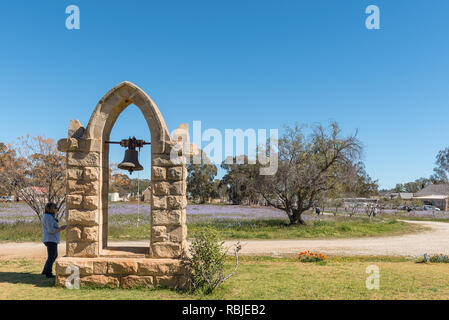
x: 308, y: 168
x: 35, y: 171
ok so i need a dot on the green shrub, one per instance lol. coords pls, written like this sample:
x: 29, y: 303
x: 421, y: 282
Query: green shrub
x: 207, y: 261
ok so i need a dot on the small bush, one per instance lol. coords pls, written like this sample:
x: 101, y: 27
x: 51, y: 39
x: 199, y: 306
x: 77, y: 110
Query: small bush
x: 438, y: 258
x: 319, y: 223
x: 207, y: 261
x: 308, y: 256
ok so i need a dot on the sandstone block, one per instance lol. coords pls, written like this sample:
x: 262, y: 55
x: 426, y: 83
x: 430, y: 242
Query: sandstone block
x: 85, y: 266
x: 83, y: 218
x: 159, y: 202
x: 166, y: 217
x: 81, y: 187
x: 90, y: 145
x: 176, y: 202
x: 73, y: 234
x: 160, y: 188
x: 90, y: 234
x: 91, y: 159
x: 176, y: 173
x: 161, y: 160
x: 166, y: 281
x: 74, y: 201
x: 90, y: 202
x: 134, y: 281
x: 177, y: 233
x: 63, y: 145
x: 100, y: 267
x: 122, y: 267
x: 91, y: 173
x: 161, y: 267
x: 158, y: 173
x: 74, y: 173
x: 82, y: 249
x: 177, y: 188
x: 76, y: 129
x: 100, y: 280
x: 166, y: 250
x: 159, y: 234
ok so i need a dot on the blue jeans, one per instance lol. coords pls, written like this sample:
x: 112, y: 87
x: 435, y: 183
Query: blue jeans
x: 52, y: 251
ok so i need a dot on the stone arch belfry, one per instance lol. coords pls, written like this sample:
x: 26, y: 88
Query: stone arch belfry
x: 87, y: 196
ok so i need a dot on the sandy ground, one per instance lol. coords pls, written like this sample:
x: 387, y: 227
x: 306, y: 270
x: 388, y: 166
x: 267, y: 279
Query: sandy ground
x: 436, y: 240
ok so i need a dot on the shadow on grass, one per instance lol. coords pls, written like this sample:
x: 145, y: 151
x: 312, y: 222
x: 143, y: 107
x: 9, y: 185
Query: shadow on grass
x: 37, y: 280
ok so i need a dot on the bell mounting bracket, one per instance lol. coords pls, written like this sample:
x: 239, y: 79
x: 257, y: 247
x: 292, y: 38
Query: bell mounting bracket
x: 131, y: 143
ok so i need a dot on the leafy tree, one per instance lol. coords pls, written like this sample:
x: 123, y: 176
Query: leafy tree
x: 308, y: 168
x: 441, y: 171
x: 398, y: 188
x: 240, y: 179
x: 413, y: 186
x: 357, y: 183
x: 34, y: 170
x: 200, y: 180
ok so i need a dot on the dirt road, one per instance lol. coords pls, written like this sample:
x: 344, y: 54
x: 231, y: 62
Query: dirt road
x: 436, y: 240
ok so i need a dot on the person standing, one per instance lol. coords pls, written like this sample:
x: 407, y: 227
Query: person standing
x: 51, y: 237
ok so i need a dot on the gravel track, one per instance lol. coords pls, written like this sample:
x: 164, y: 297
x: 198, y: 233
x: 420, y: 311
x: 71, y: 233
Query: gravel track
x: 435, y: 240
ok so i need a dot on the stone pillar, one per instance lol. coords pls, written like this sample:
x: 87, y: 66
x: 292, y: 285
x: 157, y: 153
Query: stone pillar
x: 168, y: 207
x: 82, y: 204
x: 83, y: 191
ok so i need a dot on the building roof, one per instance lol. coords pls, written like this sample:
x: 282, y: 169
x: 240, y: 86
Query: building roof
x: 432, y: 197
x: 406, y: 195
x: 441, y: 189
x: 37, y: 190
x: 401, y: 195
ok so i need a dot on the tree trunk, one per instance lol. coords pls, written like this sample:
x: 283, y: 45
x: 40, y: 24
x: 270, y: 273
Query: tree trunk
x: 296, y: 219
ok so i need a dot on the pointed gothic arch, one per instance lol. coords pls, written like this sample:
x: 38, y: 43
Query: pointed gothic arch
x: 88, y: 179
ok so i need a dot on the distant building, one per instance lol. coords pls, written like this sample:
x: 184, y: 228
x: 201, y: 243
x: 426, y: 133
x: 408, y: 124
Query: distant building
x: 366, y: 202
x: 400, y: 195
x: 38, y: 193
x: 436, y: 195
x: 114, y: 197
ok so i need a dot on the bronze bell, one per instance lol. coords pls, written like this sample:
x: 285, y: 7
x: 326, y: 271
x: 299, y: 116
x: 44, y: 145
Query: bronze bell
x: 131, y: 161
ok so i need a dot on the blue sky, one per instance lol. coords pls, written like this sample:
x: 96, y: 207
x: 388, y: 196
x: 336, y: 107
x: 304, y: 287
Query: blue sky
x: 237, y: 64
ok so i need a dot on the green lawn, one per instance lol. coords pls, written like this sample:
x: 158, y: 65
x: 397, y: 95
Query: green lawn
x: 260, y: 278
x: 329, y: 227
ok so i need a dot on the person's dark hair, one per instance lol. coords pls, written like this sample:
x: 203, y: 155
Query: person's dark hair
x: 50, y: 206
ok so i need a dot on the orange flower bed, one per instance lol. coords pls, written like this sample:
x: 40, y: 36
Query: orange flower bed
x: 309, y: 256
